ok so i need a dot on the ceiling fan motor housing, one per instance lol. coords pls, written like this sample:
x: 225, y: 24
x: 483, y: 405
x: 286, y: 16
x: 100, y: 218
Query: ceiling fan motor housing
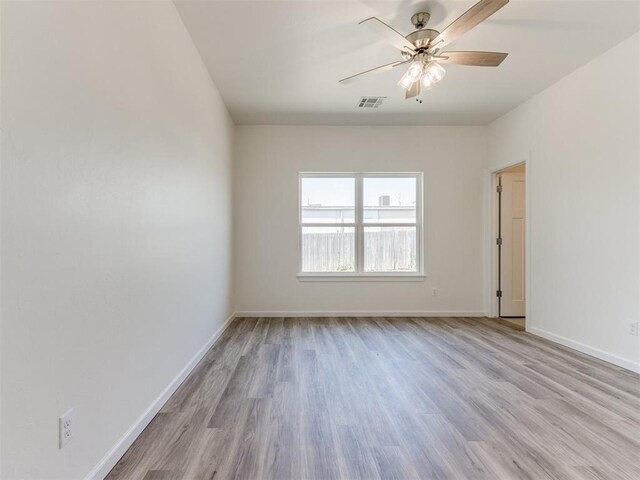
x: 422, y: 38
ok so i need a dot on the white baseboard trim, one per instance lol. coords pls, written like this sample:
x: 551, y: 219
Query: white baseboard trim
x: 105, y: 465
x: 357, y: 313
x: 581, y: 347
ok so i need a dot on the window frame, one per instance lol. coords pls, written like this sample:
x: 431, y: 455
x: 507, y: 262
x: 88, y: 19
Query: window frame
x: 359, y: 225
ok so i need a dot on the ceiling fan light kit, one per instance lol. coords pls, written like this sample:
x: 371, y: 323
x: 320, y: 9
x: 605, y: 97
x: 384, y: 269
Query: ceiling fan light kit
x: 423, y: 69
x: 421, y: 49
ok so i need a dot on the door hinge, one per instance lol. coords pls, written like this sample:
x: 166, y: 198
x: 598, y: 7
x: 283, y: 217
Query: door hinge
x: 499, y: 293
x: 499, y: 189
x: 498, y: 241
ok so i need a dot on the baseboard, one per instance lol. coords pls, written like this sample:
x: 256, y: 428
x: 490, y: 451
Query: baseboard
x: 358, y: 313
x: 581, y: 347
x: 105, y: 465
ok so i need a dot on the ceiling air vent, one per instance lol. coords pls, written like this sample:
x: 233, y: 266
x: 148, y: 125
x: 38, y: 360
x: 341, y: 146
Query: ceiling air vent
x: 370, y: 102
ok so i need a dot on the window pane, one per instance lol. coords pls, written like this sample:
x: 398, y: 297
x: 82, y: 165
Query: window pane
x: 328, y: 200
x: 389, y: 200
x: 390, y: 249
x: 328, y: 249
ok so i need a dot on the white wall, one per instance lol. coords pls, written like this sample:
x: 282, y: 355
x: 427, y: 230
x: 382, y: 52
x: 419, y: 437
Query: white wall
x: 581, y: 140
x: 116, y: 224
x: 268, y: 159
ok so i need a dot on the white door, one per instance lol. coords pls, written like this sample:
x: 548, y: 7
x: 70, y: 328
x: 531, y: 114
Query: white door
x: 512, y: 258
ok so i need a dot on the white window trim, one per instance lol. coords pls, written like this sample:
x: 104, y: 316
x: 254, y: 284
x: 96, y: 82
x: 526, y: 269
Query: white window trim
x: 359, y: 225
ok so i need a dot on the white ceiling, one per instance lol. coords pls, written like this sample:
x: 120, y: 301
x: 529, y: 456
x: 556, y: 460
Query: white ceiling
x: 279, y: 62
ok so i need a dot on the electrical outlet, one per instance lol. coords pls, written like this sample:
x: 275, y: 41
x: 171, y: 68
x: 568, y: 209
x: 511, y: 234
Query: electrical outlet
x: 434, y: 292
x: 633, y: 328
x: 65, y: 428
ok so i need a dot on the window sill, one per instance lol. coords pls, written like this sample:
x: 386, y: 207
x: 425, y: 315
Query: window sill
x: 363, y: 277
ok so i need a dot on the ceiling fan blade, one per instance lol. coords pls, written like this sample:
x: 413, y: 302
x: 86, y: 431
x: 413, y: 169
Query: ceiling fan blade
x: 392, y: 36
x: 413, y: 91
x: 465, y: 22
x: 382, y: 68
x: 477, y: 59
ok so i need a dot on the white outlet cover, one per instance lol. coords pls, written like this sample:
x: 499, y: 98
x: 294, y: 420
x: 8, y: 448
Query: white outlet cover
x: 65, y: 428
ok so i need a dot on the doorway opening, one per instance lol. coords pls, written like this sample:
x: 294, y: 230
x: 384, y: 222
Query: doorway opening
x: 510, y: 238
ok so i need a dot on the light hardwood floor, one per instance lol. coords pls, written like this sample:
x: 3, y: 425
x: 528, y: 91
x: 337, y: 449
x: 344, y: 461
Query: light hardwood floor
x: 441, y: 398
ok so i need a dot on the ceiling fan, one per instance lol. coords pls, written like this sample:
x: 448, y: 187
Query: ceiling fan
x: 422, y: 49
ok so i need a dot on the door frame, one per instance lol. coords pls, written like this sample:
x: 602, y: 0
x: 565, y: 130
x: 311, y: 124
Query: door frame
x: 494, y: 221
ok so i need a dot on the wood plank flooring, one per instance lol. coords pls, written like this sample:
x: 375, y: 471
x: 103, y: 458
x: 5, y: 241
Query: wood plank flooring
x: 392, y: 398
x: 517, y: 323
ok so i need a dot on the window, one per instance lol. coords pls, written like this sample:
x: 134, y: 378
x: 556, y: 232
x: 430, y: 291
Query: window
x: 360, y: 224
